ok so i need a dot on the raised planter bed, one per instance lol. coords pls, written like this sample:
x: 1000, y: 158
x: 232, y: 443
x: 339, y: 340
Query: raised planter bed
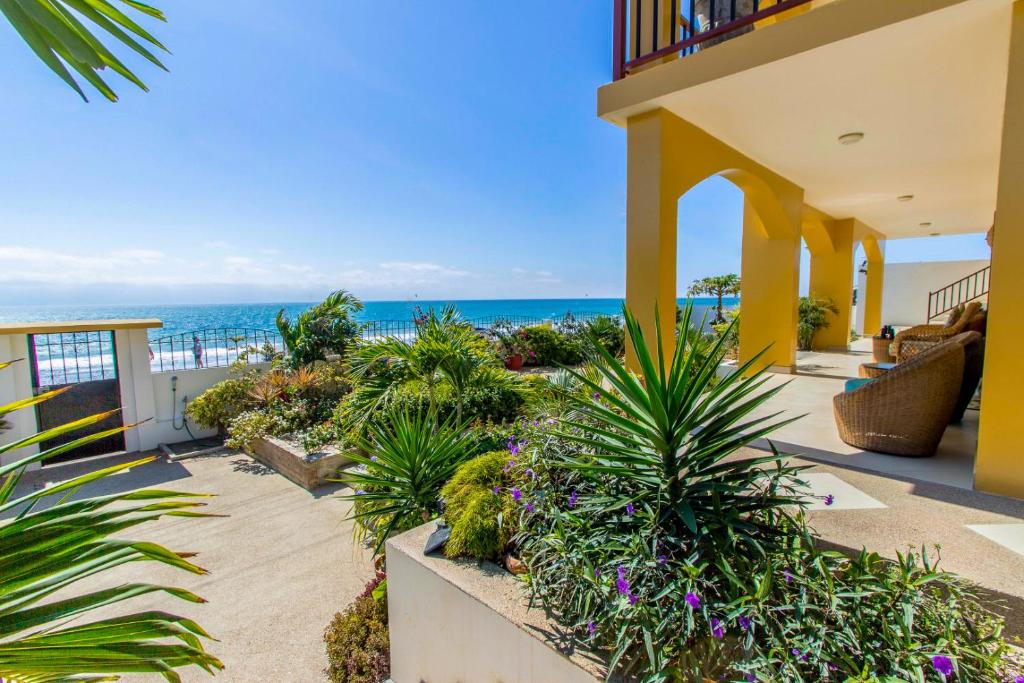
x: 462, y: 620
x: 289, y: 459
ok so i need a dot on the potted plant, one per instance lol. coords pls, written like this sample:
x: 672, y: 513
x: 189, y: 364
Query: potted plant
x: 511, y: 344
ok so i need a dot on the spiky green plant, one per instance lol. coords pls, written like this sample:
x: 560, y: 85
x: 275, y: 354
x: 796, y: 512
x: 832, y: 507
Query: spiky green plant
x: 46, y: 550
x: 408, y: 458
x: 56, y: 31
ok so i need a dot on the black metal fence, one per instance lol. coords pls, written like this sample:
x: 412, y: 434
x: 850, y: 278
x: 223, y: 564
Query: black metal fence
x: 221, y: 347
x: 72, y: 357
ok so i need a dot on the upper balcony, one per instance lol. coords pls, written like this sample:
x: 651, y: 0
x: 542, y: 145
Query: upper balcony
x: 656, y: 31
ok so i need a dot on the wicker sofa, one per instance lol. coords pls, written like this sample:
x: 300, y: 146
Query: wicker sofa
x: 905, y: 411
x: 915, y: 339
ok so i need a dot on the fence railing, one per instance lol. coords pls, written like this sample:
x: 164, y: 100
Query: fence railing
x: 220, y: 347
x: 973, y: 286
x: 72, y: 357
x: 656, y: 29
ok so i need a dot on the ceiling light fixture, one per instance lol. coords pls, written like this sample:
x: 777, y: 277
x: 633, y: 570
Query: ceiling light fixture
x: 850, y: 138
x: 905, y: 197
x: 926, y: 224
x: 933, y: 234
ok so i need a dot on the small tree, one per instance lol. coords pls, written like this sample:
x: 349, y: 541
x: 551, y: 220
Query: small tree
x: 328, y: 327
x: 814, y: 315
x: 717, y: 286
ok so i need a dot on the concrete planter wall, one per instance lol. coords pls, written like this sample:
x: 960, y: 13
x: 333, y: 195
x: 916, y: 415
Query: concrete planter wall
x: 468, y: 621
x: 308, y: 470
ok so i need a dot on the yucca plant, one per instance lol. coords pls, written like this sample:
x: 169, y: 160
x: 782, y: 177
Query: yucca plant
x: 672, y: 431
x: 406, y: 461
x: 56, y: 32
x: 45, y: 550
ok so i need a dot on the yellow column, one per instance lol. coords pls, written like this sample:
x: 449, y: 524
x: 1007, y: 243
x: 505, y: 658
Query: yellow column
x: 999, y: 466
x: 832, y: 278
x: 872, y: 297
x: 769, y: 293
x: 650, y: 233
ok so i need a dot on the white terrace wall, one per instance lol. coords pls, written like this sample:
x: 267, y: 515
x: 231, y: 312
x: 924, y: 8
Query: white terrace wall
x: 146, y: 396
x: 906, y: 287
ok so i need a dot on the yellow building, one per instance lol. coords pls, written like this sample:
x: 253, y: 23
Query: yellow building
x: 844, y: 123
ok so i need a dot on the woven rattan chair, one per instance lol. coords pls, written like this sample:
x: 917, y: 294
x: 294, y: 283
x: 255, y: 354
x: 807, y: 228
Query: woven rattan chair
x: 928, y: 335
x: 905, y: 411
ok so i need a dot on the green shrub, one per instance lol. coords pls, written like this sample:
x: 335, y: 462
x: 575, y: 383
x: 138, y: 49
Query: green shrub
x: 813, y: 317
x: 254, y: 424
x: 547, y: 346
x: 327, y: 328
x: 221, y: 403
x: 358, y: 650
x: 482, y: 520
x: 610, y: 333
x: 681, y: 562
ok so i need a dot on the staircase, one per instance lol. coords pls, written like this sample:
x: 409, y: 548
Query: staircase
x: 969, y: 288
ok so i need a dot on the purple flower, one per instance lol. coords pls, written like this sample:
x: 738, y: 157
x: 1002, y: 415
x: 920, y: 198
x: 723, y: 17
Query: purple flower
x: 829, y: 499
x: 536, y: 423
x: 513, y: 448
x: 597, y: 395
x: 633, y: 598
x: 516, y: 494
x: 597, y: 573
x: 745, y: 623
x: 591, y: 628
x: 942, y: 664
x: 374, y: 458
x: 530, y: 473
x: 497, y: 490
x: 787, y: 575
x: 693, y: 600
x: 1019, y: 679
x: 717, y: 629
x: 630, y: 509
x: 529, y: 507
x: 621, y: 584
x: 551, y: 421
x: 750, y: 677
x: 510, y: 465
x: 796, y: 653
x: 360, y: 492
x: 662, y: 559
x: 572, y: 500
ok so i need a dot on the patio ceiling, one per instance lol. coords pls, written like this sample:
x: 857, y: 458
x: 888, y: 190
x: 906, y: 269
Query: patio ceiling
x: 927, y: 92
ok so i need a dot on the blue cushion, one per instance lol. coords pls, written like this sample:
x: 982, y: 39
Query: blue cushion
x: 857, y: 383
x: 885, y: 366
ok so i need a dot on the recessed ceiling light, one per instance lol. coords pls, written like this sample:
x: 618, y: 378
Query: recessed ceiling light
x: 933, y: 234
x: 850, y: 138
x: 905, y: 197
x: 926, y: 224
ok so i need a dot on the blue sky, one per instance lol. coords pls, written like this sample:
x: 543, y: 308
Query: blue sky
x: 439, y: 150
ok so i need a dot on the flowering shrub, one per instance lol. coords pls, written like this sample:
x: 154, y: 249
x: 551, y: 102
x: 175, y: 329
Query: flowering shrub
x: 646, y: 536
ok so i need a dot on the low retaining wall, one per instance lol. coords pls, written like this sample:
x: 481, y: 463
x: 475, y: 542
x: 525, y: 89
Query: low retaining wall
x: 461, y: 620
x: 308, y: 470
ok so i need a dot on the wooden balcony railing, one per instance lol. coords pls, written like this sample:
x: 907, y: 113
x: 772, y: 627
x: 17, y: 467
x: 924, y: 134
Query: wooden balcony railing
x: 646, y: 31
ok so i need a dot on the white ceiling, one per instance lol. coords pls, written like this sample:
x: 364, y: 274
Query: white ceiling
x: 927, y: 93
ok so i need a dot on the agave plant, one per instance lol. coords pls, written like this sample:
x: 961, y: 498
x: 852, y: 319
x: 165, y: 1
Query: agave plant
x: 328, y: 327
x: 409, y: 460
x: 672, y: 431
x: 46, y: 550
x: 56, y: 33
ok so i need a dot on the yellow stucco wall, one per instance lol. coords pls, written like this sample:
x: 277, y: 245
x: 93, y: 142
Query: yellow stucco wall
x: 831, y: 245
x: 666, y: 157
x: 999, y: 467
x: 874, y: 250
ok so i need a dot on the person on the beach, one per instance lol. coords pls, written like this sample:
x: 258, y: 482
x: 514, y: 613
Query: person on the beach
x: 197, y: 350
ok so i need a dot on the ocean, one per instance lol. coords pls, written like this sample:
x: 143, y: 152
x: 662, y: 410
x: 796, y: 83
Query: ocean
x: 186, y: 318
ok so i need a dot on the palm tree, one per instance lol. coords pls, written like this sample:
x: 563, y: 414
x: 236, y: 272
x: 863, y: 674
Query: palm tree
x: 55, y: 31
x: 717, y: 286
x: 328, y: 327
x: 46, y: 550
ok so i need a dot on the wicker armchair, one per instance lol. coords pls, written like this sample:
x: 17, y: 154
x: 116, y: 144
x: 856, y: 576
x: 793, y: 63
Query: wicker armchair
x: 904, y: 412
x: 930, y: 334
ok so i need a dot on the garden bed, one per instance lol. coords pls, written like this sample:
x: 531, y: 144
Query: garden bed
x: 462, y: 620
x: 290, y: 459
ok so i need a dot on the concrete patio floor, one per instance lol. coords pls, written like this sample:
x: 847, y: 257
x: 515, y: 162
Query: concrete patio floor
x: 282, y: 562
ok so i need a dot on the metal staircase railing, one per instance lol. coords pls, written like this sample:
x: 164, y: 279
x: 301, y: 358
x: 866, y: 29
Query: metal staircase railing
x: 965, y: 289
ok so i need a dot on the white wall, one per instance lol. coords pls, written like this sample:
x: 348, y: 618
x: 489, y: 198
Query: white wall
x: 906, y: 287
x: 16, y: 384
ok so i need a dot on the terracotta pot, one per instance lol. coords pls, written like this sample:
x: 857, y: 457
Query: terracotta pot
x: 514, y: 362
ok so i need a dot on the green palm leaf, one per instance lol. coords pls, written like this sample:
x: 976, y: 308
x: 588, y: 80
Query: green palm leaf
x: 54, y: 30
x: 45, y: 552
